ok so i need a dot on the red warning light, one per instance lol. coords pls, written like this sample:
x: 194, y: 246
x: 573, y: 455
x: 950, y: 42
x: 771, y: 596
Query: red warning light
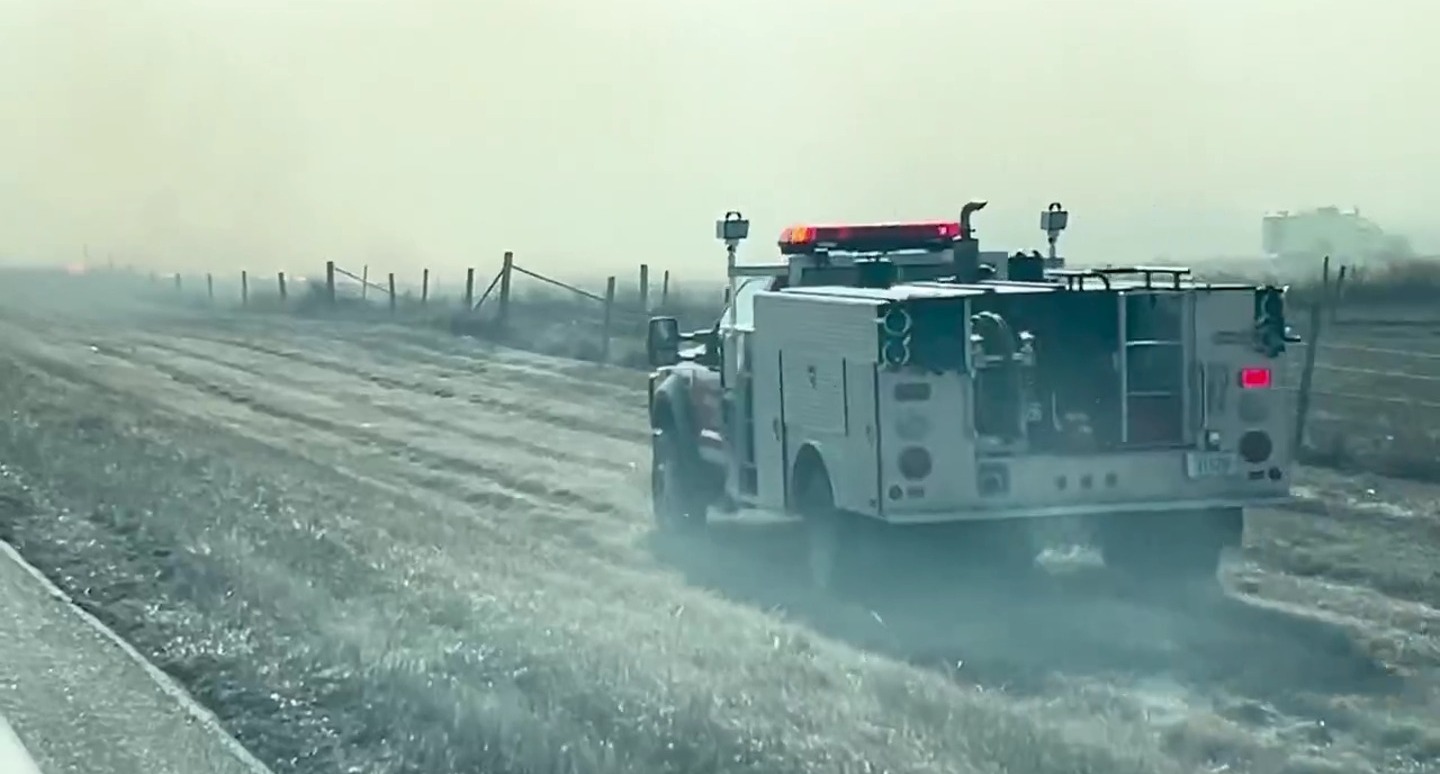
x: 869, y: 237
x: 1255, y: 378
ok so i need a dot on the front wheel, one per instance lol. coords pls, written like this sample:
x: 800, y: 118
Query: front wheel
x: 674, y: 493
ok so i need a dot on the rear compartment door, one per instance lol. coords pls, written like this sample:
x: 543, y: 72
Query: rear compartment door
x: 1243, y: 393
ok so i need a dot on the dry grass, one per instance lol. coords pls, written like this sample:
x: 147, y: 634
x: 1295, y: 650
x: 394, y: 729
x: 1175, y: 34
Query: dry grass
x: 339, y: 624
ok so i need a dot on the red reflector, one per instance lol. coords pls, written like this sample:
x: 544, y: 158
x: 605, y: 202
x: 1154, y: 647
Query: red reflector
x: 880, y: 236
x: 1255, y: 378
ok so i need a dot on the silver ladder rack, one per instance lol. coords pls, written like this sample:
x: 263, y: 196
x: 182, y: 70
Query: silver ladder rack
x: 1128, y: 345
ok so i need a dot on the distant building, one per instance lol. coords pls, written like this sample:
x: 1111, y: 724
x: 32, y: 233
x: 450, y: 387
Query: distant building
x: 1343, y: 234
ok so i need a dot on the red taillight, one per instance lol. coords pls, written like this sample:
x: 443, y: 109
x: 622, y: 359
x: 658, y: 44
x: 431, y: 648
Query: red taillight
x: 1255, y: 378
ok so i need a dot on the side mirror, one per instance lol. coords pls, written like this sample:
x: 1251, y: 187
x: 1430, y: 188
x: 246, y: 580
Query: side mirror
x: 662, y: 341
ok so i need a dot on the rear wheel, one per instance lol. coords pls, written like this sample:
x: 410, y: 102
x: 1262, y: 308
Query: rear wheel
x: 1170, y: 549
x: 674, y: 491
x: 961, y: 553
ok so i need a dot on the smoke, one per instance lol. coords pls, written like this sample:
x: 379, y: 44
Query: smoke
x: 220, y: 134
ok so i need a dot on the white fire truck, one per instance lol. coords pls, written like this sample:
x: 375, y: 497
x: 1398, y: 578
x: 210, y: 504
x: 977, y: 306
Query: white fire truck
x: 889, y: 382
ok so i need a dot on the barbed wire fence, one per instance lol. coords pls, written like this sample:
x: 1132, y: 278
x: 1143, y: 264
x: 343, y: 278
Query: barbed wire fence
x: 1365, y: 400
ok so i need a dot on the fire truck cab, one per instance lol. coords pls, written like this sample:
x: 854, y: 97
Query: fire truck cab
x: 893, y: 381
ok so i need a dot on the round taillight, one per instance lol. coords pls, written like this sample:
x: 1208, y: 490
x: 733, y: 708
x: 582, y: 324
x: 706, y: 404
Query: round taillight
x: 1256, y: 447
x: 915, y: 463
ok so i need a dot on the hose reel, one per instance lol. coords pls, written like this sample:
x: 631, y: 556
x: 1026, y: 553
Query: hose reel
x: 896, y: 325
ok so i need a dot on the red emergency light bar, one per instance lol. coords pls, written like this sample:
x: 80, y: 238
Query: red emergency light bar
x: 869, y: 237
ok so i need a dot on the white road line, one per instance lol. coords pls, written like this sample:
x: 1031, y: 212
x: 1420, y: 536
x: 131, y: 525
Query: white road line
x: 200, y: 714
x: 13, y: 757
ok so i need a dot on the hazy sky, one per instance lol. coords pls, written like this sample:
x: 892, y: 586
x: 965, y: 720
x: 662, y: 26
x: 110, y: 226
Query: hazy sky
x: 591, y: 136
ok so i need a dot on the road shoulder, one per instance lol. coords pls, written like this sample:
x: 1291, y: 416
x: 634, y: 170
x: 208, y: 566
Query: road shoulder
x: 14, y: 758
x: 84, y: 701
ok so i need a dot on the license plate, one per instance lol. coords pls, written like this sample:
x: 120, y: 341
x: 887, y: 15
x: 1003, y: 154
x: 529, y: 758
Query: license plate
x: 1209, y: 464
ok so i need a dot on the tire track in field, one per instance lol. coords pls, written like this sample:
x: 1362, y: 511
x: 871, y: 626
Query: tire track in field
x: 517, y: 370
x: 408, y: 342
x: 407, y: 348
x: 466, y: 431
x: 514, y: 490
x: 526, y: 367
x: 560, y: 496
x: 525, y: 408
x: 546, y: 524
x: 439, y: 474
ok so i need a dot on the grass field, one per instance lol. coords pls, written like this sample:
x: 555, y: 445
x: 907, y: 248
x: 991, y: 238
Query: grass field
x: 378, y: 547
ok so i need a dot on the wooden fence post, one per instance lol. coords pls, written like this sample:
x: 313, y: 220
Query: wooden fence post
x: 1337, y: 296
x: 665, y: 289
x: 645, y: 288
x: 424, y: 287
x: 210, y: 286
x: 330, y: 282
x: 364, y: 281
x: 280, y: 276
x: 1312, y: 348
x: 244, y: 288
x: 392, y: 292
x: 609, y: 314
x: 470, y: 288
x: 503, y: 311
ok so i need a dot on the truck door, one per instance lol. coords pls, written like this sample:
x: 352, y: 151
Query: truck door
x: 736, y: 378
x: 706, y: 401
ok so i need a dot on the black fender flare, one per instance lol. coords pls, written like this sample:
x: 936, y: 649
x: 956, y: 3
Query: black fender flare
x: 672, y: 398
x: 808, y: 462
x: 670, y: 407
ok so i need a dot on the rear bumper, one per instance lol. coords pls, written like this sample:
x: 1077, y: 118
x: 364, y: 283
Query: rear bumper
x: 1087, y: 509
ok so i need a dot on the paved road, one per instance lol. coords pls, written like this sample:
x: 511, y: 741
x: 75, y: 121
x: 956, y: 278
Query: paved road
x: 81, y: 703
x: 14, y: 758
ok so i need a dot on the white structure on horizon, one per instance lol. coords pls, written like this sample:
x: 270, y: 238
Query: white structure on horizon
x: 1343, y: 234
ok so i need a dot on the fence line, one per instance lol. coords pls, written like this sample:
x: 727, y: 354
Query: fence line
x: 497, y: 293
x: 1378, y: 372
x: 1413, y: 402
x: 1382, y: 350
x: 558, y: 283
x: 362, y: 280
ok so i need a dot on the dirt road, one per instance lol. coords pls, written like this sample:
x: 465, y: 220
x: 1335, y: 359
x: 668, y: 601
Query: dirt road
x: 387, y: 550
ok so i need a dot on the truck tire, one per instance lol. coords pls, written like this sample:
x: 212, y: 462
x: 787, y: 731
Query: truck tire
x: 830, y: 539
x: 1168, y: 550
x: 674, y: 492
x: 965, y: 553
